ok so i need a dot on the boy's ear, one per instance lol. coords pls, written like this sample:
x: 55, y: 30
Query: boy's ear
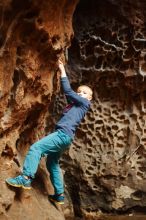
x: 90, y: 98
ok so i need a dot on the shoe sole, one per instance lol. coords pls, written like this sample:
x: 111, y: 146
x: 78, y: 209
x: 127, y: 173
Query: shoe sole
x: 60, y: 203
x: 18, y: 186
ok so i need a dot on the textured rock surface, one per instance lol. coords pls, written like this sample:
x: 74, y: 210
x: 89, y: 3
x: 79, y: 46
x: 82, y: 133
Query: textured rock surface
x: 107, y: 164
x: 33, y: 34
x: 105, y: 168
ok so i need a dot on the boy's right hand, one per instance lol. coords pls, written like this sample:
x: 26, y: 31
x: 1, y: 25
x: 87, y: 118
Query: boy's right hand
x: 60, y: 65
x: 61, y: 68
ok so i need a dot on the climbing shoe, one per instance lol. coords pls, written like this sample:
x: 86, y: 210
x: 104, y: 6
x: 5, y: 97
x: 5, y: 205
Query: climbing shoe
x: 19, y: 181
x: 58, y: 198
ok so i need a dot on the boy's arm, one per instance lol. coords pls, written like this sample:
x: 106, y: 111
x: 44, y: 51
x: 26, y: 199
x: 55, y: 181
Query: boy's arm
x: 70, y: 94
x: 63, y: 74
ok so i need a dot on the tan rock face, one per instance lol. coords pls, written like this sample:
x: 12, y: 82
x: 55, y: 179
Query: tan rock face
x: 33, y: 35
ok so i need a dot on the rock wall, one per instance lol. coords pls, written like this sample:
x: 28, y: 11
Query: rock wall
x: 33, y: 35
x: 106, y: 168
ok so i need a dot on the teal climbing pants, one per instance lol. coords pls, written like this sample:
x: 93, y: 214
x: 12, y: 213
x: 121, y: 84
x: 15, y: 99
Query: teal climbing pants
x: 53, y: 145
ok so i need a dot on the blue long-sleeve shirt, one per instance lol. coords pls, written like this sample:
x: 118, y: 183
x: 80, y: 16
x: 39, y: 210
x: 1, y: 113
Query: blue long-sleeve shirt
x: 75, y: 112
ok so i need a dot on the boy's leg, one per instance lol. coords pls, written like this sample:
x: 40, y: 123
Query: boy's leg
x: 56, y: 176
x: 53, y: 167
x: 53, y: 143
x: 49, y: 144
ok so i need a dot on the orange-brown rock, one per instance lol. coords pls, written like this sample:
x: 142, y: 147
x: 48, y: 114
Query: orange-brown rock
x: 33, y: 35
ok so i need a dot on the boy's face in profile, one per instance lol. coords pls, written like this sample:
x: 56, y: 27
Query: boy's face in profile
x: 85, y: 92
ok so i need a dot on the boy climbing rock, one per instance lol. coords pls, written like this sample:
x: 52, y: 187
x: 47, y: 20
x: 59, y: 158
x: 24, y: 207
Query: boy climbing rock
x: 54, y: 144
